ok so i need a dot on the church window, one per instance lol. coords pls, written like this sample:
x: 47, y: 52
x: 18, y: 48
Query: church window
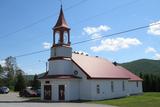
x: 98, y: 89
x: 47, y: 82
x: 112, y: 86
x: 137, y: 83
x: 123, y: 85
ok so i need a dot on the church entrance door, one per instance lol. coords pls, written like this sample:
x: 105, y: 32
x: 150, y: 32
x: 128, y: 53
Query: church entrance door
x: 47, y: 92
x: 61, y: 92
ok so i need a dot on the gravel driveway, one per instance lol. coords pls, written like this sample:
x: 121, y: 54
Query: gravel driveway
x: 11, y: 97
x: 13, y: 100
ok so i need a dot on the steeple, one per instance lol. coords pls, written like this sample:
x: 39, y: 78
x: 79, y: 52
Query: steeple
x: 61, y: 22
x: 61, y: 31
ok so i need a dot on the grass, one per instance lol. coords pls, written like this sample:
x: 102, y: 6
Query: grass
x: 150, y: 99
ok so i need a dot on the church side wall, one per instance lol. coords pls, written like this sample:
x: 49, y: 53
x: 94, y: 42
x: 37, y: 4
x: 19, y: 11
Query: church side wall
x: 135, y: 87
x: 85, y: 89
x: 105, y: 91
x: 74, y: 90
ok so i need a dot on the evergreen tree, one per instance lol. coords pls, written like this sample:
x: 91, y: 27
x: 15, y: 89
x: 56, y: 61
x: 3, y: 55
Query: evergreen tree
x: 20, y: 83
x: 36, y: 82
x: 140, y: 75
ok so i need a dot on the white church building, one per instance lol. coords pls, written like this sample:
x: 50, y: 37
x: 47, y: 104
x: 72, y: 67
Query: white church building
x: 77, y: 76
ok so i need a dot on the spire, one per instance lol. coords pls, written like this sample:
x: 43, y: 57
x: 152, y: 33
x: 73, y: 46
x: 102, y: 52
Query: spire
x: 61, y: 31
x: 61, y: 22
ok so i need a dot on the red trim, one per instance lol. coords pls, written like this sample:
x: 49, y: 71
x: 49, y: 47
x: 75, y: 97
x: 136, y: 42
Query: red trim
x: 60, y: 77
x: 135, y: 80
x: 108, y: 78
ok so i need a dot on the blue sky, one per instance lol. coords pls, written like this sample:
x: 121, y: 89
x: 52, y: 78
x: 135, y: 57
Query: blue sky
x: 22, y: 30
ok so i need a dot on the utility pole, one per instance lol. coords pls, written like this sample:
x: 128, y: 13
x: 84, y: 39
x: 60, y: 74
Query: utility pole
x: 46, y: 63
x: 46, y: 66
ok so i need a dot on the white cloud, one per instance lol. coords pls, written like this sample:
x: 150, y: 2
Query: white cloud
x: 154, y: 28
x: 154, y: 51
x: 46, y: 45
x: 157, y: 56
x: 96, y: 35
x: 116, y: 44
x: 2, y: 63
x: 95, y: 32
x: 92, y: 30
x: 150, y: 50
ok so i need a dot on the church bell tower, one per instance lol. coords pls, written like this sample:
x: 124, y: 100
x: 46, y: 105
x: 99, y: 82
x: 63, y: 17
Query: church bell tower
x: 61, y: 51
x: 61, y: 38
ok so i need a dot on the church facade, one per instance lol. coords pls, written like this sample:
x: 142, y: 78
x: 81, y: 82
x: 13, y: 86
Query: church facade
x: 77, y: 76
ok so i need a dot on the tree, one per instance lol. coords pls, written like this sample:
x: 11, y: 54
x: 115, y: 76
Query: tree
x: 11, y: 65
x: 18, y: 71
x: 20, y: 83
x: 1, y: 69
x: 36, y: 82
x: 9, y: 81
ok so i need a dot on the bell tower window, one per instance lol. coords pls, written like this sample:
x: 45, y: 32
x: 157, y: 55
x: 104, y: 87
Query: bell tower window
x: 65, y: 40
x: 56, y: 38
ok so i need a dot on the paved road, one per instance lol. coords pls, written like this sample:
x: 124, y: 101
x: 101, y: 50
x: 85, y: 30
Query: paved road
x: 13, y: 100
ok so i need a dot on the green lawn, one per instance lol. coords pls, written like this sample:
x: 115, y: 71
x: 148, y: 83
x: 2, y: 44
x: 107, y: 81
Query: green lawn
x: 151, y: 99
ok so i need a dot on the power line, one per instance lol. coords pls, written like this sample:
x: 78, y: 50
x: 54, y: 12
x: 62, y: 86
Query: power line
x: 40, y: 20
x: 110, y: 10
x: 126, y: 31
x: 31, y: 53
x: 88, y: 40
x: 45, y: 18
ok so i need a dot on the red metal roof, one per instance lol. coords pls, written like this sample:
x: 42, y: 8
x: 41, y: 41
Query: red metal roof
x: 132, y: 76
x: 99, y: 68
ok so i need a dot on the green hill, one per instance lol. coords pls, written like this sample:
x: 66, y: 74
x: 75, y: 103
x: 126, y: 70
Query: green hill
x: 31, y: 77
x: 145, y: 66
